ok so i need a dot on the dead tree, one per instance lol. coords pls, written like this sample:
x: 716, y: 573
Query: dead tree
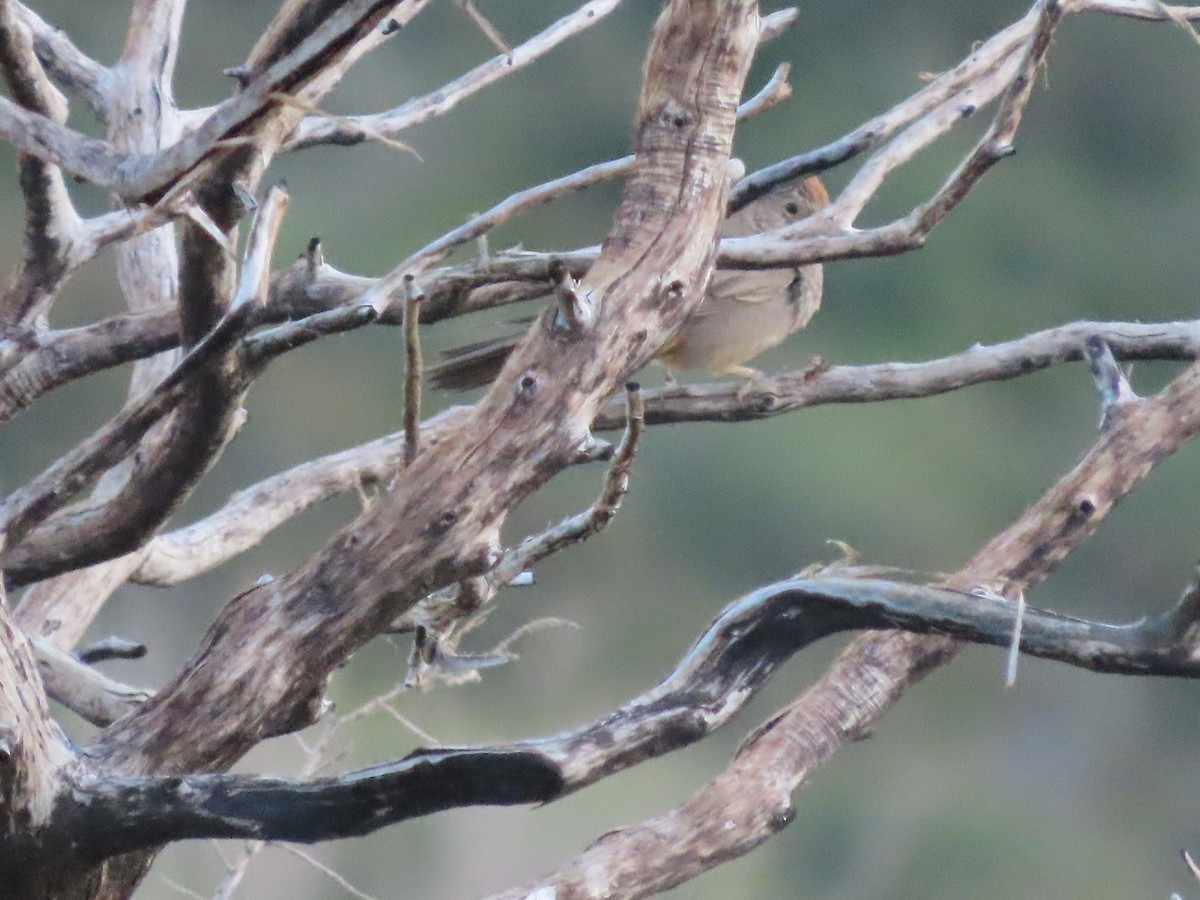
x: 426, y: 554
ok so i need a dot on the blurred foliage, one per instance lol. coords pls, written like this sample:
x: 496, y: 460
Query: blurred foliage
x: 1069, y: 785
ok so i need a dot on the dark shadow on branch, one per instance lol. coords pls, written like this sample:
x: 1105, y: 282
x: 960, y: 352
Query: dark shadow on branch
x: 734, y: 657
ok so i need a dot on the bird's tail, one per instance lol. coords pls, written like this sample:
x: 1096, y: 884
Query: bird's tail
x: 473, y: 365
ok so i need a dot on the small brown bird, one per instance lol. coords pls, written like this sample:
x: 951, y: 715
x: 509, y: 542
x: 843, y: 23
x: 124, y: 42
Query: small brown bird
x: 743, y: 312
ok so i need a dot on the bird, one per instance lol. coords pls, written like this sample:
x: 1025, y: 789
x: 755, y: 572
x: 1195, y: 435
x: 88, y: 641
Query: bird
x: 743, y: 313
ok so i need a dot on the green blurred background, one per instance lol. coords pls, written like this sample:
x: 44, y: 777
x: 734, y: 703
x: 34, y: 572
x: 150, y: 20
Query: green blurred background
x: 1068, y: 785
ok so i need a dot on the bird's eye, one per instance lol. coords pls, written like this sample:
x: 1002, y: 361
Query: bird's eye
x: 792, y: 208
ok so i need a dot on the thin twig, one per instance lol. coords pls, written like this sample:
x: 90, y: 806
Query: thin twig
x: 774, y: 92
x: 182, y: 889
x: 437, y: 249
x: 830, y: 234
x: 593, y: 520
x: 235, y: 873
x: 1111, y: 382
x: 415, y: 366
x: 324, y: 870
x: 490, y: 31
x: 996, y: 54
x: 256, y: 270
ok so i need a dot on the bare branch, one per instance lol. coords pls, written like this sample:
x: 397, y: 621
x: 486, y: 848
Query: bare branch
x: 595, y: 518
x: 231, y: 125
x: 414, y: 368
x: 875, y: 671
x: 830, y: 234
x: 436, y: 615
x: 308, y: 42
x: 152, y: 39
x: 354, y: 129
x: 1149, y: 10
x: 730, y: 662
x: 295, y: 810
x: 111, y: 647
x: 60, y: 609
x: 254, y: 282
x: 79, y: 469
x: 790, y: 391
x: 73, y: 70
x: 426, y: 548
x: 334, y: 70
x: 553, y: 190
x: 34, y: 363
x: 774, y: 92
x: 1111, y: 383
x: 36, y: 135
x: 490, y: 31
x: 439, y: 524
x: 751, y: 800
x: 44, y: 361
x: 82, y: 689
x: 326, y: 871
x: 258, y: 350
x: 51, y: 223
x: 774, y: 24
x: 991, y: 65
x: 255, y: 512
x: 26, y: 508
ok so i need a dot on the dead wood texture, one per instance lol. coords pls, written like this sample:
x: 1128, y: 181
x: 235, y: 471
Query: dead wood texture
x: 205, y: 318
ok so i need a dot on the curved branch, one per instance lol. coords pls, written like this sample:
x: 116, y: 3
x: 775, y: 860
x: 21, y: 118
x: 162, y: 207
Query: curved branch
x: 984, y: 61
x: 874, y: 672
x: 112, y: 816
x: 734, y: 657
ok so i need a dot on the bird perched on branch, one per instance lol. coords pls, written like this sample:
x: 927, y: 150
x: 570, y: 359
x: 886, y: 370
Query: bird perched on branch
x: 743, y: 312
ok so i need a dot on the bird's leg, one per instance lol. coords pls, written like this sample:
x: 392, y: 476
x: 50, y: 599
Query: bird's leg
x: 743, y: 372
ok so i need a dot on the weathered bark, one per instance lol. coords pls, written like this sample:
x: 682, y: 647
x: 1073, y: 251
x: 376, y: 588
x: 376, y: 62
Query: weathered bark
x: 440, y: 521
x: 262, y: 668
